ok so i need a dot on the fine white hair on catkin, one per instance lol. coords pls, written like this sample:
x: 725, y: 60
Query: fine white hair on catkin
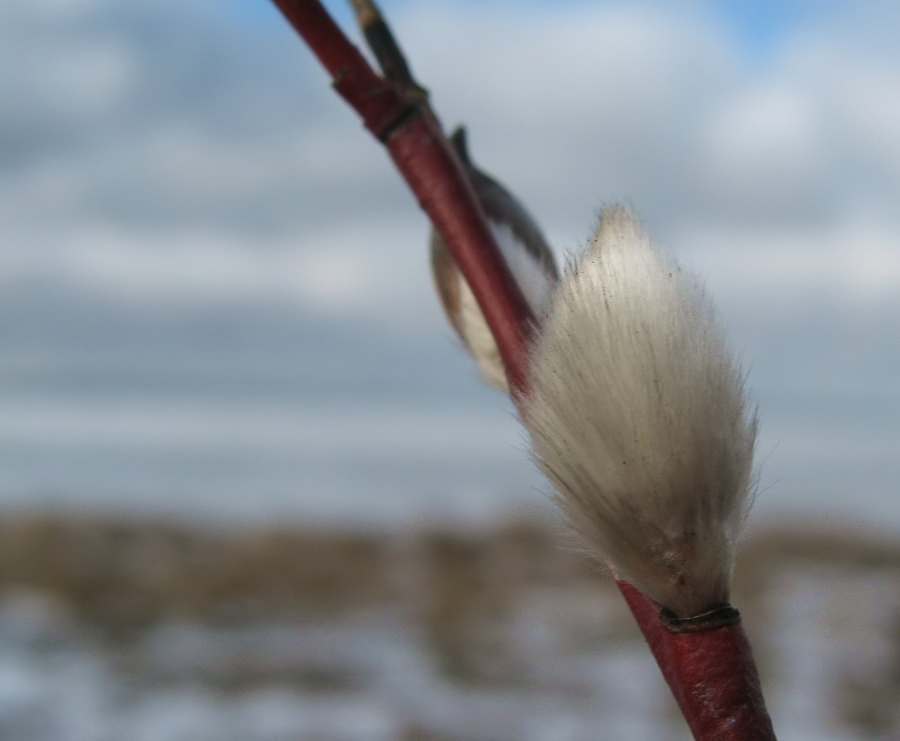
x: 638, y: 416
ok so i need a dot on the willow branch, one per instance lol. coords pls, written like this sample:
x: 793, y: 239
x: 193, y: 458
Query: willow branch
x: 711, y: 670
x: 424, y: 157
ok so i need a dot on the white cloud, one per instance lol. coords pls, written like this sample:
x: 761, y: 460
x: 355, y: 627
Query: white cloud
x: 852, y: 264
x: 767, y: 143
x: 334, y: 273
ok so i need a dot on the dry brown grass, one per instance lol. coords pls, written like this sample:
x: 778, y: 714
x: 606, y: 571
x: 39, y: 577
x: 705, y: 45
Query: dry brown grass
x: 129, y: 574
x: 461, y: 591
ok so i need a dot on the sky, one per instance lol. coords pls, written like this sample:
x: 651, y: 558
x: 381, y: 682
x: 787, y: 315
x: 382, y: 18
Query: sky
x: 203, y: 253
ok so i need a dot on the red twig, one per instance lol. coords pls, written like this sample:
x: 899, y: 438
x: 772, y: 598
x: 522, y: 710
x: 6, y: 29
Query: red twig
x: 430, y: 167
x: 425, y: 159
x: 711, y: 672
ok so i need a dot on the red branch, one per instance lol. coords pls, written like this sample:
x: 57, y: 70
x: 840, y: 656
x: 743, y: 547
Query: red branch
x: 711, y: 673
x: 425, y: 159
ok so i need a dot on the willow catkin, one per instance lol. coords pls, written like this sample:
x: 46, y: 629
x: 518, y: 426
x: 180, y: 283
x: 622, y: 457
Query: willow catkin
x: 638, y: 416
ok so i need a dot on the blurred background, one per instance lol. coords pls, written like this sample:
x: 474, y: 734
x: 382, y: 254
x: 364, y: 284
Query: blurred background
x: 250, y: 486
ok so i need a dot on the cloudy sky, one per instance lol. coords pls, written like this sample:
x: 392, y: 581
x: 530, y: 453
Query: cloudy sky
x: 204, y: 259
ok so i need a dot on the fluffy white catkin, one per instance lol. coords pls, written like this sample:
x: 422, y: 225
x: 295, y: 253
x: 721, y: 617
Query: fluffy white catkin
x: 638, y: 417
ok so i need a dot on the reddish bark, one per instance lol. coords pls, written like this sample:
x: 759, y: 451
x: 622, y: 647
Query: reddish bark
x: 711, y: 673
x: 424, y: 157
x: 426, y: 160
x: 378, y: 103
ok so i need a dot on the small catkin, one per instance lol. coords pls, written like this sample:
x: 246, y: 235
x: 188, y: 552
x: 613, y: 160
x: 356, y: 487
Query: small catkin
x: 535, y: 284
x: 638, y: 416
x: 524, y: 250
